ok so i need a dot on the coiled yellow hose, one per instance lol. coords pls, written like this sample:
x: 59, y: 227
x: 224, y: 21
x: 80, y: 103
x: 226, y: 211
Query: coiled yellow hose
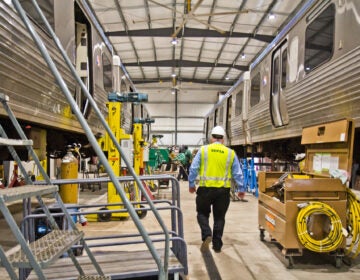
x: 332, y: 240
x: 353, y: 224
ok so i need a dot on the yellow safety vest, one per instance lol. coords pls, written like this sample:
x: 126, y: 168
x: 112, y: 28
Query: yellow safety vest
x: 215, y: 166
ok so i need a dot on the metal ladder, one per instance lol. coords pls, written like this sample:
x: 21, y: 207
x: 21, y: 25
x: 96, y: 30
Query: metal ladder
x: 162, y: 263
x: 46, y: 250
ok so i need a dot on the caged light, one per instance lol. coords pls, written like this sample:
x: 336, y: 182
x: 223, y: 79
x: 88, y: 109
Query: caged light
x: 174, y: 41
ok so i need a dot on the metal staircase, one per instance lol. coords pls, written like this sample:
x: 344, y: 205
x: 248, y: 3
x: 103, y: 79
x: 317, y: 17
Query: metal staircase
x: 46, y: 250
x: 161, y: 262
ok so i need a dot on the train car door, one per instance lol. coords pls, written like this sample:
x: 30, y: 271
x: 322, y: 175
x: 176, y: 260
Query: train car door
x: 278, y: 108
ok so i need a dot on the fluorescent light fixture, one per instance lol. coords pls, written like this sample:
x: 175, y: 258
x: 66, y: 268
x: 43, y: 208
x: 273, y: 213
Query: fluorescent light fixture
x: 271, y: 16
x: 173, y: 75
x: 243, y: 56
x: 174, y: 41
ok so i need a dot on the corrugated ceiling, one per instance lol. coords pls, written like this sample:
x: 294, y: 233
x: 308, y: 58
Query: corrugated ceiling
x: 216, y: 42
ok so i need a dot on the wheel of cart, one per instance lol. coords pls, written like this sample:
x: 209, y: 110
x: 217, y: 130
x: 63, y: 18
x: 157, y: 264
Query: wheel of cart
x: 339, y: 256
x: 290, y: 262
x: 262, y: 234
x: 338, y: 261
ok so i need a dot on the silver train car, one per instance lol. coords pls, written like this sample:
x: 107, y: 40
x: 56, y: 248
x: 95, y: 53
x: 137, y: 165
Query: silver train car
x: 308, y: 75
x: 35, y: 97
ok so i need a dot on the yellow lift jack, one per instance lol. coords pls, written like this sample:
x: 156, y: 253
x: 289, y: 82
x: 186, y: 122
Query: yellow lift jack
x: 114, y: 158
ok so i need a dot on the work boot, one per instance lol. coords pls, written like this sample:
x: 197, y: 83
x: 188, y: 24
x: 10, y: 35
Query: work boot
x: 205, y: 245
x: 217, y: 250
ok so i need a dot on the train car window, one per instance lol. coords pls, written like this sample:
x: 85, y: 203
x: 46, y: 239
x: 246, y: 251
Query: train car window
x: 46, y: 6
x: 275, y: 76
x: 283, y: 68
x: 319, y: 39
x: 221, y: 116
x: 211, y: 123
x: 216, y: 117
x: 107, y: 73
x: 255, y: 90
x: 238, y: 103
x: 228, y: 115
x: 207, y: 126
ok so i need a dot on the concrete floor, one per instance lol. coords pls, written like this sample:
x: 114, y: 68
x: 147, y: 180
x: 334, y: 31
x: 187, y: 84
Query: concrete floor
x: 243, y: 255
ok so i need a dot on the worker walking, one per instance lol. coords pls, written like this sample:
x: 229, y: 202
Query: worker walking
x: 188, y: 158
x: 181, y: 160
x: 216, y: 166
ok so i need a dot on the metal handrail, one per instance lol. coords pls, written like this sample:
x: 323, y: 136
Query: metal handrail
x: 162, y: 268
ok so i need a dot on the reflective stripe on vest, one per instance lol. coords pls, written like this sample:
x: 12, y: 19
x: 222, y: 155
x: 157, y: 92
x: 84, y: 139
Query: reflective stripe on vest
x: 209, y: 175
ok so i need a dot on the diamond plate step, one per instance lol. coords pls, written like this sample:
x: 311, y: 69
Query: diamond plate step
x: 15, y: 142
x: 13, y: 194
x: 93, y: 277
x: 47, y: 249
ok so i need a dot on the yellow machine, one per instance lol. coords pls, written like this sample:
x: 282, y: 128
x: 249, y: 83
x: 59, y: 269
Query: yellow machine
x: 139, y: 144
x: 139, y: 165
x: 309, y: 210
x: 114, y: 157
x: 114, y: 120
x: 138, y: 148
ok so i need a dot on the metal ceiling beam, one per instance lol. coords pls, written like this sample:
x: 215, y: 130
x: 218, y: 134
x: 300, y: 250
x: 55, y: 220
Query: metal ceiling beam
x: 180, y: 102
x: 189, y: 32
x: 268, y: 10
x: 146, y: 5
x: 226, y: 41
x: 219, y: 82
x: 121, y: 15
x: 203, y: 40
x: 184, y: 63
x: 169, y: 131
x: 178, y: 117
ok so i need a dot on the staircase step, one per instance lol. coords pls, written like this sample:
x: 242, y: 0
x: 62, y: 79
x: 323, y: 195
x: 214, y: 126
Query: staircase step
x: 15, y: 142
x: 93, y: 277
x: 17, y: 193
x: 47, y: 249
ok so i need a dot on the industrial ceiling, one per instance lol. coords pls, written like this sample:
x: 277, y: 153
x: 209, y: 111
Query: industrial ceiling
x: 185, y: 53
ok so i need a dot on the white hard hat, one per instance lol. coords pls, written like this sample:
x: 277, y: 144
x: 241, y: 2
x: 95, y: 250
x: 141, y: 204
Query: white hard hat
x: 218, y: 130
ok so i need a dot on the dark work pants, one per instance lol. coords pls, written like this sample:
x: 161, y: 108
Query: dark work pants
x: 182, y: 173
x: 219, y: 200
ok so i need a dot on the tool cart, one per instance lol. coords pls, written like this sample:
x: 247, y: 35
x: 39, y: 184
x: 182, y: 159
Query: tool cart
x: 307, y: 211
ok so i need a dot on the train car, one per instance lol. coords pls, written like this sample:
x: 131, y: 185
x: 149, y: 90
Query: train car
x: 35, y: 97
x: 230, y: 113
x: 308, y: 75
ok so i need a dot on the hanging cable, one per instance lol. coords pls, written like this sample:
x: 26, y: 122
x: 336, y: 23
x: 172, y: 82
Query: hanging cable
x: 335, y: 237
x: 353, y: 224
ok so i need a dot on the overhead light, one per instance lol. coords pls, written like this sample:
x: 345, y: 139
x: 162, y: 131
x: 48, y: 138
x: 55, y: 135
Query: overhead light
x: 173, y: 90
x: 243, y: 56
x: 271, y: 16
x: 174, y: 41
x: 173, y: 75
x: 227, y: 78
